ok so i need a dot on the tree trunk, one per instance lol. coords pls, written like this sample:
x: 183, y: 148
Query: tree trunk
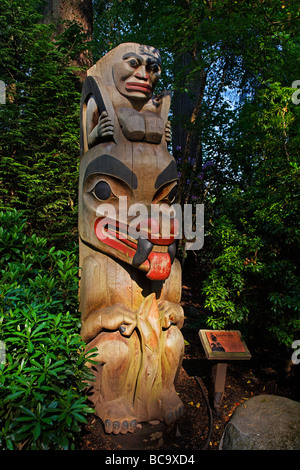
x: 70, y: 10
x: 62, y: 12
x: 183, y: 105
x: 186, y: 141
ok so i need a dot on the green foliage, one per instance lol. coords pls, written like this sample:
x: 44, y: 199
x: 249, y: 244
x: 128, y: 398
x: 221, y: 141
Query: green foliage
x: 262, y: 207
x: 234, y: 62
x: 42, y: 405
x: 227, y: 278
x: 254, y: 253
x: 39, y: 124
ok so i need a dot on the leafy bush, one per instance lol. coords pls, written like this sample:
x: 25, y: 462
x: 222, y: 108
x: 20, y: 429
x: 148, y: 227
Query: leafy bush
x: 254, y: 275
x: 39, y: 124
x: 41, y: 401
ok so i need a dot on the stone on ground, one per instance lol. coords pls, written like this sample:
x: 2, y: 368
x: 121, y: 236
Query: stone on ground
x: 265, y: 422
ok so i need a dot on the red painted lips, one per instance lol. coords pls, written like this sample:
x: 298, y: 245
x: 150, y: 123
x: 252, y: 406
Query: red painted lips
x: 143, y: 87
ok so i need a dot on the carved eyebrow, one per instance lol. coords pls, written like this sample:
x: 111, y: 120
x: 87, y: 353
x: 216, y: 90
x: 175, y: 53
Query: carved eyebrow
x: 132, y: 54
x: 108, y: 165
x: 168, y: 175
x: 149, y: 60
x: 153, y: 61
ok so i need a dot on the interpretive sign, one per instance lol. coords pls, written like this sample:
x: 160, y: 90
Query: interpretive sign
x: 222, y: 344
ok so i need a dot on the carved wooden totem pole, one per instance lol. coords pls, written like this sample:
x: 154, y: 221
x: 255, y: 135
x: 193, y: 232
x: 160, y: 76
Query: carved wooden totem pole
x: 130, y: 285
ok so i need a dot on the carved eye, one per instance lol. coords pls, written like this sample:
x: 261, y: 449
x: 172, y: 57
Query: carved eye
x: 165, y: 194
x: 172, y: 194
x: 154, y: 68
x: 133, y: 62
x: 102, y: 190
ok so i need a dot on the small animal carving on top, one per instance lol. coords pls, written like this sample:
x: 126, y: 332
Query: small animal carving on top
x: 130, y: 284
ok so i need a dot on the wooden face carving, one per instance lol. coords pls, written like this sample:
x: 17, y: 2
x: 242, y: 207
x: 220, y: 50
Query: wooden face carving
x: 136, y: 71
x: 126, y: 212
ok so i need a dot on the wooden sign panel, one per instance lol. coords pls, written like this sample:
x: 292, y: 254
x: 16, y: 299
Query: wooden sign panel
x: 222, y: 344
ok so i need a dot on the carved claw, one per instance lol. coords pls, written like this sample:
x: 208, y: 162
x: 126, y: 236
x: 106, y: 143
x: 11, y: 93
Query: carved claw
x: 108, y: 426
x: 127, y: 330
x: 116, y: 427
x: 133, y: 425
x: 119, y: 417
x: 124, y: 427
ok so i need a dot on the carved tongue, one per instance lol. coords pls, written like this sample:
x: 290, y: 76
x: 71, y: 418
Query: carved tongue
x: 160, y: 266
x: 160, y: 263
x: 144, y: 249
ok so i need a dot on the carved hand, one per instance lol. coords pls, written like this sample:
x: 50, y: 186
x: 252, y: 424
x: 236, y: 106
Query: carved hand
x: 168, y: 132
x: 105, y: 126
x: 115, y: 317
x: 171, y: 314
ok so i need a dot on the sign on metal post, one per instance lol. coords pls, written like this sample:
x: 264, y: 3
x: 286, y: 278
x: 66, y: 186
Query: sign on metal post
x: 222, y: 346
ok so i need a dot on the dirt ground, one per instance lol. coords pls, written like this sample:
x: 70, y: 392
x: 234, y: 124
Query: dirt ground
x: 201, y: 427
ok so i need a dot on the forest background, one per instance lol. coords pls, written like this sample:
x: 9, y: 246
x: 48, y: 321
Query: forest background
x: 233, y: 68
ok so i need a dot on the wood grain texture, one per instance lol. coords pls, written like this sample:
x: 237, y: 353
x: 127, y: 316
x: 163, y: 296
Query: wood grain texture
x: 130, y: 310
